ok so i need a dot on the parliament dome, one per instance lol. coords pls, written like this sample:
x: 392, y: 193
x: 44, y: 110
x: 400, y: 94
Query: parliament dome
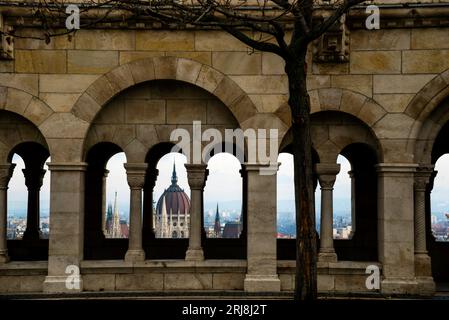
x: 174, y: 200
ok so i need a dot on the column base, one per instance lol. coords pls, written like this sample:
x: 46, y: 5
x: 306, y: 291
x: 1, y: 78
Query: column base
x: 135, y: 255
x: 393, y: 286
x: 31, y: 235
x: 423, y: 267
x: 194, y: 255
x: 4, y: 258
x: 329, y: 256
x: 426, y: 286
x: 262, y: 283
x: 62, y: 284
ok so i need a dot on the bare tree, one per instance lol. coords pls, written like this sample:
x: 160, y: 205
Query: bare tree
x: 282, y: 27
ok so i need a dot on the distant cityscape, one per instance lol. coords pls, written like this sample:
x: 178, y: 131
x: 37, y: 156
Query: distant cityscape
x: 440, y: 226
x: 286, y: 227
x: 16, y: 223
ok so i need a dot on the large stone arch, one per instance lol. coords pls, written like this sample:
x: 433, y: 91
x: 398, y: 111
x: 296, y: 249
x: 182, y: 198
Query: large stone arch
x: 146, y: 114
x: 25, y: 114
x: 375, y: 118
x: 108, y: 86
x: 428, y: 131
x: 24, y: 104
x: 429, y: 109
x: 163, y: 68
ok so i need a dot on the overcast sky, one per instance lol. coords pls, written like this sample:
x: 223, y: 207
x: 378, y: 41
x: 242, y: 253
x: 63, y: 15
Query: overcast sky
x: 223, y: 182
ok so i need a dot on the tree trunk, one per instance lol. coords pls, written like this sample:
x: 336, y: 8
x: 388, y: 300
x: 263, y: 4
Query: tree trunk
x: 306, y: 251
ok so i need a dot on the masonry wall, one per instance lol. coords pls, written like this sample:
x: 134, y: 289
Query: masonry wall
x: 393, y: 83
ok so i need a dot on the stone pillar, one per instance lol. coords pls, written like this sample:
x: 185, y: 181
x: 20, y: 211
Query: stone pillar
x: 136, y: 180
x: 196, y: 175
x: 66, y: 242
x: 148, y: 218
x: 327, y: 173
x: 33, y: 180
x: 353, y: 210
x: 103, y: 202
x: 423, y: 267
x: 243, y: 217
x: 261, y: 273
x: 6, y: 171
x: 396, y: 227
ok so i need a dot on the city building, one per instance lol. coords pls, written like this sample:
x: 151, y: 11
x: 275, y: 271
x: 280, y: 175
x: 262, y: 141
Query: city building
x: 172, y: 212
x: 217, y: 225
x: 113, y: 223
x: 378, y: 97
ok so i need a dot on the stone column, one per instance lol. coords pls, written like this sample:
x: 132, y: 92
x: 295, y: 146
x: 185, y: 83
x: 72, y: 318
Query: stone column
x: 150, y: 181
x: 66, y: 242
x: 327, y: 173
x: 243, y: 217
x: 396, y: 227
x: 261, y: 273
x: 33, y: 180
x: 136, y: 180
x: 196, y: 175
x: 353, y: 210
x: 423, y: 268
x: 6, y: 171
x: 103, y: 202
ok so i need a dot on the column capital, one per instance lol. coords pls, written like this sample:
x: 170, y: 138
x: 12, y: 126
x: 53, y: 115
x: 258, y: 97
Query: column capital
x: 6, y: 171
x: 327, y: 173
x: 34, y: 177
x: 67, y: 166
x: 422, y: 177
x: 351, y: 174
x: 150, y: 178
x: 196, y: 175
x: 136, y: 174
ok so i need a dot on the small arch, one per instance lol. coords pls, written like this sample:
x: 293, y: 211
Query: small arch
x: 97, y: 242
x: 29, y: 175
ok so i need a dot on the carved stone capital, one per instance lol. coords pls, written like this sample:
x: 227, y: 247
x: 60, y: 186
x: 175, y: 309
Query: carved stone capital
x: 422, y: 177
x: 6, y: 171
x: 150, y: 180
x: 196, y: 175
x: 34, y: 178
x: 327, y: 173
x: 136, y: 174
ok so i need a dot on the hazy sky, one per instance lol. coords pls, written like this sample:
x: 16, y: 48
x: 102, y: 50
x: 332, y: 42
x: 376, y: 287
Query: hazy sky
x: 17, y: 191
x: 223, y: 182
x: 285, y: 186
x: 440, y: 192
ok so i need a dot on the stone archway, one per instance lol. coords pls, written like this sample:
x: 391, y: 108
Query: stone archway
x: 163, y: 68
x: 365, y: 109
x: 25, y: 104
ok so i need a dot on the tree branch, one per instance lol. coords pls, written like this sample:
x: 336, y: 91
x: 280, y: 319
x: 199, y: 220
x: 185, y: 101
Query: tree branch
x: 261, y: 46
x: 316, y: 32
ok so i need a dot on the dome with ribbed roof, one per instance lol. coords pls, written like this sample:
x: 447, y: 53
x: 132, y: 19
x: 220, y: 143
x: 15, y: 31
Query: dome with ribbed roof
x: 174, y: 200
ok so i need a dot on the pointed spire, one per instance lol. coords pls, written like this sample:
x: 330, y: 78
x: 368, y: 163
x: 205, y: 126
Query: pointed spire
x: 217, y: 225
x: 115, y: 201
x: 174, y: 177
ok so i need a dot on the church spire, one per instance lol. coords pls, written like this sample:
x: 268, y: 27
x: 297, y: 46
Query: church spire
x: 174, y: 176
x: 217, y: 226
